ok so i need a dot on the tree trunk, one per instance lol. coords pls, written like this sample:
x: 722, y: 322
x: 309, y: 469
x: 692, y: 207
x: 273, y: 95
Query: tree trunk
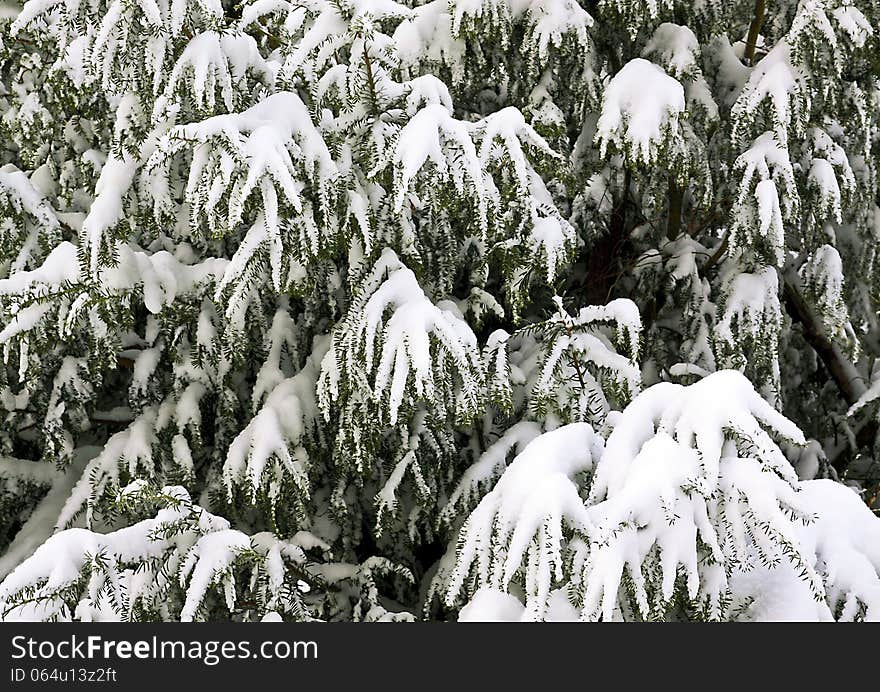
x: 847, y: 379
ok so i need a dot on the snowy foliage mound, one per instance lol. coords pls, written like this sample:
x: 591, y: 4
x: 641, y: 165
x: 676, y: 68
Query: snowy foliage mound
x: 449, y: 310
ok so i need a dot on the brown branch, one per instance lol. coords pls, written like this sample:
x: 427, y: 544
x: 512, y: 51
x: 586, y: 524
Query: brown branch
x: 844, y: 373
x: 673, y: 219
x: 864, y: 430
x: 371, y: 82
x: 719, y: 252
x: 605, y: 255
x: 575, y: 360
x: 754, y: 30
x: 847, y: 379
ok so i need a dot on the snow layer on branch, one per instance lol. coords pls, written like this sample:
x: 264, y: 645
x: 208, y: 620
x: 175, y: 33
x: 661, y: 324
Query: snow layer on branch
x: 521, y: 524
x: 504, y: 138
x: 778, y: 85
x: 208, y: 562
x: 434, y: 135
x: 558, y: 13
x: 844, y: 540
x: 132, y: 447
x: 750, y: 319
x: 30, y: 11
x: 490, y: 166
x: 23, y: 198
x: 703, y: 416
x: 214, y: 61
x: 183, y: 544
x: 831, y: 178
x: 161, y: 276
x: 60, y: 266
x: 24, y: 195
x: 854, y: 23
x: 280, y: 341
x: 41, y: 522
x: 324, y: 29
x: 641, y: 108
x: 492, y: 605
x: 106, y: 210
x: 419, y: 346
x: 59, y: 562
x: 684, y: 463
x: 426, y: 36
x: 841, y: 543
x: 777, y: 594
x: 272, y: 147
x: 122, y: 36
x: 657, y: 522
x: 767, y: 197
x: 275, y: 436
x: 587, y: 359
x: 871, y: 394
x: 676, y: 48
x: 437, y: 32
x: 487, y: 469
x: 16, y: 470
x: 822, y: 276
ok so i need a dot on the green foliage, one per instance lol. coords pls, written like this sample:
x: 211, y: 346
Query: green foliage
x: 285, y: 289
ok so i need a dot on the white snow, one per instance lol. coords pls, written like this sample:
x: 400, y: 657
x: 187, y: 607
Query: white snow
x: 641, y: 107
x: 491, y: 464
x: 198, y: 549
x: 414, y: 343
x: 215, y: 61
x: 117, y: 176
x: 273, y: 147
x: 845, y: 541
x: 519, y: 524
x: 277, y: 432
x: 208, y: 562
x: 434, y: 135
x: 677, y: 49
x: 161, y: 276
x: 751, y: 307
x: 436, y: 31
x: 492, y: 605
x: 283, y: 155
x: 596, y: 347
x: 766, y: 166
x: 779, y: 82
x: 854, y: 23
x: 822, y: 275
x: 60, y: 266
